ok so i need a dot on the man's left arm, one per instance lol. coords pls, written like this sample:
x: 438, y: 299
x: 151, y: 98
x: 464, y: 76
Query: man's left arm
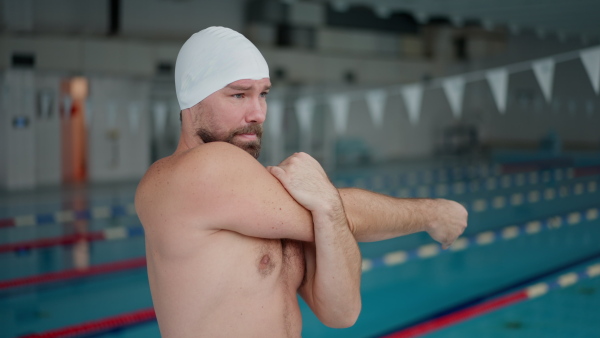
x: 374, y: 217
x: 331, y: 285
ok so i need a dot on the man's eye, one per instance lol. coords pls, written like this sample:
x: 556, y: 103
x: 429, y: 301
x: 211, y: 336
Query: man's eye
x: 238, y: 96
x: 264, y: 94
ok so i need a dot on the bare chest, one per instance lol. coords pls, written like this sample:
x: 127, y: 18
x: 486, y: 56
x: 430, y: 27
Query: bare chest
x: 282, y: 257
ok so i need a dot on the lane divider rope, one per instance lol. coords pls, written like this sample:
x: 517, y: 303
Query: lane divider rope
x: 532, y: 196
x: 530, y: 292
x: 389, y: 259
x: 65, y: 216
x: 482, y: 239
x: 441, y: 190
x: 413, y: 180
x: 536, y: 290
x: 98, y: 326
x: 108, y: 234
x: 75, y: 273
x: 476, y: 206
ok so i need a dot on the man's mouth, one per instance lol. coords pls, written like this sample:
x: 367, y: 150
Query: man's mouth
x: 249, y: 136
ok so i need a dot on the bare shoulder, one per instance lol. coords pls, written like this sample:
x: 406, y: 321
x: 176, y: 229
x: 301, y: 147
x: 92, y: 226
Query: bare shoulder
x: 192, y: 178
x: 213, y: 156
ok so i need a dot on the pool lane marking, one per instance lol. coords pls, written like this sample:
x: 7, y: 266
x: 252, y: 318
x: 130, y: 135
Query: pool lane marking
x: 108, y: 234
x: 439, y: 190
x: 98, y: 326
x: 536, y: 290
x: 473, y: 172
x: 74, y: 273
x: 453, y: 318
x: 478, y: 205
x: 529, y: 197
x: 65, y: 216
x: 482, y: 239
x: 389, y: 259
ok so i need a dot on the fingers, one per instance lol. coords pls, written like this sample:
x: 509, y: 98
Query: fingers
x: 278, y: 172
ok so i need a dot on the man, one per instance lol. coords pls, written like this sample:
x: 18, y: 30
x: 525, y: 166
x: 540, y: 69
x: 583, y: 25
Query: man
x: 229, y: 243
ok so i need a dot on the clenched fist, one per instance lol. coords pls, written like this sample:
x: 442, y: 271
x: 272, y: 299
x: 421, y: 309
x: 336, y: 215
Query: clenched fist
x: 449, y: 222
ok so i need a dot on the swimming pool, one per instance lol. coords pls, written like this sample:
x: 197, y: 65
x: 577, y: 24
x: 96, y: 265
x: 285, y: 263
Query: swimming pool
x: 72, y: 259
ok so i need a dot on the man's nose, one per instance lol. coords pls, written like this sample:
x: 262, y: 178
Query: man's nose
x: 256, y: 112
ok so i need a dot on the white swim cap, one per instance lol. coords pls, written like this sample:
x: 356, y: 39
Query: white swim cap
x: 213, y: 58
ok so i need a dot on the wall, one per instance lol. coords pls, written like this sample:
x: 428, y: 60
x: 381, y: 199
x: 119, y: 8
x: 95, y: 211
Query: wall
x: 3, y: 129
x: 19, y: 139
x: 178, y: 19
x: 47, y: 130
x: 119, y: 140
x: 70, y: 38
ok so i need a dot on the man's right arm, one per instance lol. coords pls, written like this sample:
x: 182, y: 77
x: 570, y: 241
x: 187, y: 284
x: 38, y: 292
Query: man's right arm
x: 220, y: 176
x: 225, y: 188
x: 376, y: 217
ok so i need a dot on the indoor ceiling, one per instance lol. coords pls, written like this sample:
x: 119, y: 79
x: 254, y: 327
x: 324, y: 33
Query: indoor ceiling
x: 564, y: 19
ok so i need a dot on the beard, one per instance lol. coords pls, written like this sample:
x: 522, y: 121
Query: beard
x: 252, y: 147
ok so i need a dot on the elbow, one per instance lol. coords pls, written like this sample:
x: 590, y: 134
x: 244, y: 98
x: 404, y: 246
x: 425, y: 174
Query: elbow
x: 350, y: 318
x: 345, y: 318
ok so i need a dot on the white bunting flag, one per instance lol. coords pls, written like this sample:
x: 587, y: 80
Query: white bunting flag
x: 454, y: 87
x: 544, y: 72
x: 591, y: 62
x: 305, y: 108
x: 134, y: 116
x: 159, y: 110
x: 498, y: 80
x: 339, y: 108
x: 413, y: 96
x: 275, y: 118
x: 376, y: 103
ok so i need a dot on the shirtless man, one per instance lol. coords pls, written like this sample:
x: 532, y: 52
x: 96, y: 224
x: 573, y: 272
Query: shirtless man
x: 230, y: 243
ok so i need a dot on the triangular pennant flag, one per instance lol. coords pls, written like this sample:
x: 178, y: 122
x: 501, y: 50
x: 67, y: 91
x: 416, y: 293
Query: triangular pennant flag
x: 544, y: 72
x: 454, y: 87
x: 498, y: 80
x: 304, y: 112
x: 275, y: 114
x: 413, y: 96
x: 134, y: 117
x: 339, y: 109
x: 376, y: 102
x: 591, y: 61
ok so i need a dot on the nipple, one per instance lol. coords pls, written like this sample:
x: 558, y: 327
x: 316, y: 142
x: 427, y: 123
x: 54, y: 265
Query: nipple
x: 266, y: 267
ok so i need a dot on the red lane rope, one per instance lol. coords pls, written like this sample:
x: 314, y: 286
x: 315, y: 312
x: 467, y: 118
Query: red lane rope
x: 460, y: 316
x: 586, y: 171
x: 98, y: 325
x: 75, y: 273
x: 7, y: 222
x: 47, y: 242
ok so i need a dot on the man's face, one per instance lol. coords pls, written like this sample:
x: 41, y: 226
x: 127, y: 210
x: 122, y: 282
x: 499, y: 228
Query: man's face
x: 234, y: 114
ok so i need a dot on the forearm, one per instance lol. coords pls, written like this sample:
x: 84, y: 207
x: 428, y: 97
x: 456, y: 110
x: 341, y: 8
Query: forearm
x: 374, y: 217
x: 336, y: 283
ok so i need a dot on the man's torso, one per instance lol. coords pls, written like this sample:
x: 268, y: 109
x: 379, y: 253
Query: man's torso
x: 215, y: 282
